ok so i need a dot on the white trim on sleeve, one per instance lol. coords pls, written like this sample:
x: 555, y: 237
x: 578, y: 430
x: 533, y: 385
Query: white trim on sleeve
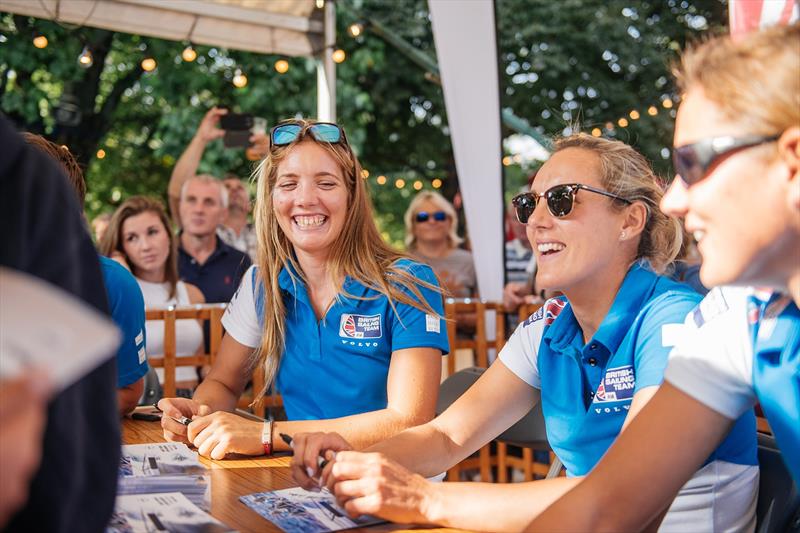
x: 240, y: 319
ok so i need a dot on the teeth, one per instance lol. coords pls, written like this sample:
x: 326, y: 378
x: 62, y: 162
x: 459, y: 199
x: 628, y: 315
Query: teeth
x: 698, y: 235
x: 309, y: 221
x: 550, y: 247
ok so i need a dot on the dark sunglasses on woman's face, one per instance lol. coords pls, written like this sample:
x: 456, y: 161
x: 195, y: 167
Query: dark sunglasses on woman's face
x: 288, y: 132
x: 560, y: 200
x: 438, y: 216
x: 692, y: 161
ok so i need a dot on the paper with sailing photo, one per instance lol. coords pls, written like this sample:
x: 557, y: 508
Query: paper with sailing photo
x: 159, y: 459
x: 297, y: 510
x: 43, y: 326
x: 172, y: 512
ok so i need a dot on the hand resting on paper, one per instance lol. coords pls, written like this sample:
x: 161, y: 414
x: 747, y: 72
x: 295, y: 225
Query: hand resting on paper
x: 220, y: 433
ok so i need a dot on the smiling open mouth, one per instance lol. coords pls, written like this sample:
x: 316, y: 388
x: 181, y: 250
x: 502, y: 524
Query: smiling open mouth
x: 549, y: 248
x: 309, y: 221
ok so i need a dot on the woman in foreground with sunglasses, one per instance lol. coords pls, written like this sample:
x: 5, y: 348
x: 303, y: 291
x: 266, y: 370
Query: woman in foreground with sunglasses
x: 593, y: 358
x: 737, y: 184
x: 350, y: 329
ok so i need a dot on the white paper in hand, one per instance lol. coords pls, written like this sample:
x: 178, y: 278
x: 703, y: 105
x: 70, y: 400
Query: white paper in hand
x: 43, y: 326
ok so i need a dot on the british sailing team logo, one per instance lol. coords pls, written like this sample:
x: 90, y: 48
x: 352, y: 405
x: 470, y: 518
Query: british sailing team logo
x: 360, y: 326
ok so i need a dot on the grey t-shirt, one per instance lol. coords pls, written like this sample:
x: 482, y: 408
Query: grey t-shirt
x: 456, y: 271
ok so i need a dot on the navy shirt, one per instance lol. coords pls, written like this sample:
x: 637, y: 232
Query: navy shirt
x: 42, y: 233
x: 338, y: 366
x: 219, y: 276
x: 587, y: 388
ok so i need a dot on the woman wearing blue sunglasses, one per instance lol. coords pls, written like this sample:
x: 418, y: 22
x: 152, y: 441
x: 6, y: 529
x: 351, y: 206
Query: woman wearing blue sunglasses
x: 593, y: 358
x: 432, y: 237
x: 737, y: 184
x: 350, y: 330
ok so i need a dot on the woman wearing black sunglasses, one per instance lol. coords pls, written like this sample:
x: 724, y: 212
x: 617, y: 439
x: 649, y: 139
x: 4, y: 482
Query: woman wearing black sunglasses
x: 350, y: 330
x: 737, y: 184
x: 592, y: 358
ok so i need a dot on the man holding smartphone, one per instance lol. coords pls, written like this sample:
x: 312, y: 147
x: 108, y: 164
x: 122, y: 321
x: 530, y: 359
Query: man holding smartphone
x: 235, y: 230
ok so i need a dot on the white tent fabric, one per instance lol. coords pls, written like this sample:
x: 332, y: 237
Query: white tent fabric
x: 464, y: 32
x: 286, y: 27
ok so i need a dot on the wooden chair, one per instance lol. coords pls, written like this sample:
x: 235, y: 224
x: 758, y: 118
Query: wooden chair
x: 478, y: 343
x: 169, y: 359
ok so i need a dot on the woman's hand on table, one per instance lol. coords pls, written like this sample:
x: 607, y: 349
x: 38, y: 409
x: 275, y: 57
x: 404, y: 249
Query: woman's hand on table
x: 177, y: 408
x: 221, y: 433
x: 369, y: 483
x: 308, y: 448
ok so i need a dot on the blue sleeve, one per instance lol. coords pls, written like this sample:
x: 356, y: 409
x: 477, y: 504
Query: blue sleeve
x: 127, y: 311
x: 660, y: 327
x: 413, y: 328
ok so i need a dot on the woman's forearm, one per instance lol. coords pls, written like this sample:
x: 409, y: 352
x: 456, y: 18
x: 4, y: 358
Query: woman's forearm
x: 216, y: 395
x: 494, y: 506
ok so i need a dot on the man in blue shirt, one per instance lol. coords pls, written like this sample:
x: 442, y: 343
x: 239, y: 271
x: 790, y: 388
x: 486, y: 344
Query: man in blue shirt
x: 203, y: 259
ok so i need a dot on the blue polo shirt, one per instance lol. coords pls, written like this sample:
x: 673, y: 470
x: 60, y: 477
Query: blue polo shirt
x: 127, y: 311
x: 587, y: 388
x: 219, y: 276
x: 338, y: 366
x: 743, y: 347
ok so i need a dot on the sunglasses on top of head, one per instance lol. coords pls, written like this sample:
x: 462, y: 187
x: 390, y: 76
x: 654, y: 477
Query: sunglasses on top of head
x: 692, y: 161
x: 560, y: 200
x: 288, y: 132
x: 424, y: 216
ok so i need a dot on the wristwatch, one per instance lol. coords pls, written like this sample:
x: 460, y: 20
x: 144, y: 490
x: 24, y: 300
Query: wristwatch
x: 266, y: 437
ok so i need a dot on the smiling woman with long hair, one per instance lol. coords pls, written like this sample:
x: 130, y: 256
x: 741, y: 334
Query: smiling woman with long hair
x: 593, y: 358
x: 350, y: 330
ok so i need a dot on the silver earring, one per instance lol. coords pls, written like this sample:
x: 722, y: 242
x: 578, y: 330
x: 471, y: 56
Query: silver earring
x: 622, y: 235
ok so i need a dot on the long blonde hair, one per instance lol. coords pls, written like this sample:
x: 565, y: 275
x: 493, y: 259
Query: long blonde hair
x: 626, y: 172
x: 431, y: 196
x: 358, y: 252
x: 755, y: 81
x: 112, y: 238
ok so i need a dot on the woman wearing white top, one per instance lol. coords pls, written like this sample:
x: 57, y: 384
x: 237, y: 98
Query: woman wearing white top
x: 138, y: 236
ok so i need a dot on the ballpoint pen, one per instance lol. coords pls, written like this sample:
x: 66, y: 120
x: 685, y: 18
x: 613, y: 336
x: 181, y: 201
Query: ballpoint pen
x: 321, y: 461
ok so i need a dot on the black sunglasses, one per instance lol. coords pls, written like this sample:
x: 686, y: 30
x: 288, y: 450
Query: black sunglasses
x: 424, y: 216
x: 560, y: 200
x: 288, y: 132
x: 692, y: 161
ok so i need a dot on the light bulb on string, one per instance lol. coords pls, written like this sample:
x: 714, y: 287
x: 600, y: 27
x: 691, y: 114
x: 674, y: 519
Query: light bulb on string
x: 149, y: 64
x: 355, y: 29
x: 189, y: 54
x: 320, y: 4
x: 39, y: 41
x: 282, y: 66
x: 437, y: 183
x: 86, y: 59
x: 339, y: 55
x: 239, y: 79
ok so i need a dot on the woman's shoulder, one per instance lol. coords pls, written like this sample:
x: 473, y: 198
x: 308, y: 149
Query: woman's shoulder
x: 413, y: 267
x: 193, y: 294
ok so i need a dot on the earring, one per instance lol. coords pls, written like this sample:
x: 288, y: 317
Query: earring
x: 622, y: 235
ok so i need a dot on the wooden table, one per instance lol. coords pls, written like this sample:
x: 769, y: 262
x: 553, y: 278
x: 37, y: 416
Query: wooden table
x: 232, y: 478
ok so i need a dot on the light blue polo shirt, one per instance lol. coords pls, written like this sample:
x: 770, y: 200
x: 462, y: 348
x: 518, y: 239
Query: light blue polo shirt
x: 338, y: 366
x: 126, y: 304
x: 743, y: 347
x: 587, y: 388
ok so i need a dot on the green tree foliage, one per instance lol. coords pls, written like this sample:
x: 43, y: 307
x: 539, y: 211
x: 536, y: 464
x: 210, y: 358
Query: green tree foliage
x: 587, y: 61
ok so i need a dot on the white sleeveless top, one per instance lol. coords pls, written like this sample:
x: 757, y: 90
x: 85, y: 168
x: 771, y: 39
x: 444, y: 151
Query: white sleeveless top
x: 188, y: 333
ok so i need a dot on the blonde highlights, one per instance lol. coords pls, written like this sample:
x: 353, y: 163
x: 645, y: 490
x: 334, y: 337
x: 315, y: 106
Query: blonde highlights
x: 755, y: 81
x: 626, y: 173
x: 358, y: 252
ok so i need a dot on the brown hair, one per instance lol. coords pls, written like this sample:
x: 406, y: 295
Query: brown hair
x: 754, y: 80
x: 63, y: 157
x: 112, y: 238
x: 359, y: 252
x: 626, y: 172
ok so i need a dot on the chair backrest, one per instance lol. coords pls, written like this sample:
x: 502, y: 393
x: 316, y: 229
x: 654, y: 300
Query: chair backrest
x: 778, y: 507
x: 169, y: 359
x: 453, y: 309
x: 455, y: 385
x: 526, y: 310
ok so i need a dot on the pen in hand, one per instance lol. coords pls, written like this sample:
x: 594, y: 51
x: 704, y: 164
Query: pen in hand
x: 182, y: 420
x: 321, y: 461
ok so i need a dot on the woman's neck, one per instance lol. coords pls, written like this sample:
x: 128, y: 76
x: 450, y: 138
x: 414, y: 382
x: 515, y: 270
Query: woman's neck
x: 151, y: 276
x: 591, y: 300
x: 794, y: 287
x: 320, y: 285
x: 434, y: 249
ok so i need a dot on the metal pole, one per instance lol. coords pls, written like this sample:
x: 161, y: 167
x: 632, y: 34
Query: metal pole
x: 326, y: 68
